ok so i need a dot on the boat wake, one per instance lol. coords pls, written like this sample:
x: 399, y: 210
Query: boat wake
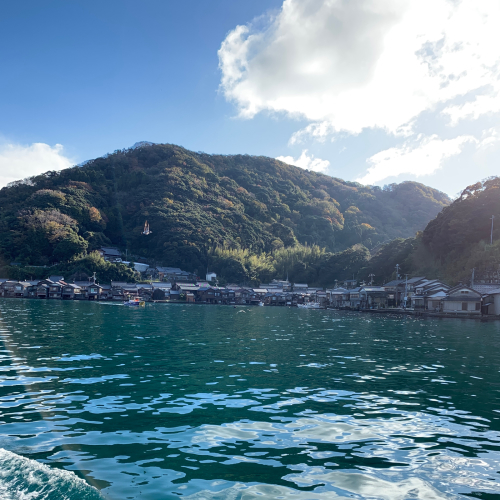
x: 25, y: 479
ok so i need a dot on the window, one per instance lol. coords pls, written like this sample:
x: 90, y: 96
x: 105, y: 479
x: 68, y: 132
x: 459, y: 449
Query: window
x: 464, y: 291
x: 464, y: 306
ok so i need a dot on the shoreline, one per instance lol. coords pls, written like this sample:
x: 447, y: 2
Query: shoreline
x: 399, y: 311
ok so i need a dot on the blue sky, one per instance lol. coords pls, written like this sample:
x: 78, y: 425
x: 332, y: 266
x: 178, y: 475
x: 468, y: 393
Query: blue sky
x: 374, y: 91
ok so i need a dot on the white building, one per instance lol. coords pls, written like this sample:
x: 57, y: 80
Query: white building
x: 462, y: 300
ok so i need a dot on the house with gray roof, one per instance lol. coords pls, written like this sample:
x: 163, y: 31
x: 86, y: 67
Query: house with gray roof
x: 462, y: 300
x: 491, y: 302
x: 110, y: 254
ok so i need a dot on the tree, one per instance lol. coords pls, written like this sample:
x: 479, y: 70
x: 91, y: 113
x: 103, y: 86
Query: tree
x: 70, y: 246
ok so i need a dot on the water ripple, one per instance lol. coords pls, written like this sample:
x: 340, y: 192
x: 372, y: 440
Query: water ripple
x: 282, y: 404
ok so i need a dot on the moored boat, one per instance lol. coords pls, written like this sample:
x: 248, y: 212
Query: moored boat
x: 136, y: 302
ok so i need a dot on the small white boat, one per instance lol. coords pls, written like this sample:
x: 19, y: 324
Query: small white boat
x: 261, y: 303
x: 136, y: 302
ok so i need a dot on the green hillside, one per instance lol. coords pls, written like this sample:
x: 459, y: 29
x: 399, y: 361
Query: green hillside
x: 194, y: 203
x: 452, y: 244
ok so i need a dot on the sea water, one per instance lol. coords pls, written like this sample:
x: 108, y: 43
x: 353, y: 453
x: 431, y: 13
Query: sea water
x: 214, y: 402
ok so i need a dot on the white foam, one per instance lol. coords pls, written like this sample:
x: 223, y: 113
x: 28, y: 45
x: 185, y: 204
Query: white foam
x: 25, y: 479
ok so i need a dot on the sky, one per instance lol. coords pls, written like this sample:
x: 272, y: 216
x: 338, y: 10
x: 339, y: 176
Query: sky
x: 373, y: 91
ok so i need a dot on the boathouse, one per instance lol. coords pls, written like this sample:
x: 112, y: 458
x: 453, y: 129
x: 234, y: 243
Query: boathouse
x: 71, y: 292
x: 94, y: 291
x: 55, y: 291
x: 462, y: 300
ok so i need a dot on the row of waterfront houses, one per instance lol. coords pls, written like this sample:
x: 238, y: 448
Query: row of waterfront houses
x: 417, y: 294
x: 276, y: 293
x: 420, y: 294
x: 56, y: 288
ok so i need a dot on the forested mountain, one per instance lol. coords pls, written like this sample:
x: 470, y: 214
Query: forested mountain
x: 455, y: 242
x: 196, y: 203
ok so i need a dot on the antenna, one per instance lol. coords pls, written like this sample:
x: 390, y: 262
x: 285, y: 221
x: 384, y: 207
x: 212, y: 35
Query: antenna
x: 371, y: 276
x: 491, y: 236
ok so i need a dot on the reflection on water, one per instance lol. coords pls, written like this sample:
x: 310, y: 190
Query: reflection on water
x: 222, y: 403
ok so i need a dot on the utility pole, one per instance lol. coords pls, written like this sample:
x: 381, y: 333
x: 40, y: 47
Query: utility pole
x: 93, y: 277
x: 472, y: 280
x: 491, y: 236
x: 397, y: 271
x: 406, y: 290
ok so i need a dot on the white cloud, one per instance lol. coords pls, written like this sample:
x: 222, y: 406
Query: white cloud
x: 349, y: 65
x: 490, y: 138
x: 306, y: 161
x: 19, y: 161
x: 421, y: 159
x: 424, y: 156
x: 486, y: 104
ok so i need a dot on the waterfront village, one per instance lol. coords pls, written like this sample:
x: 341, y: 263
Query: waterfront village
x: 415, y: 295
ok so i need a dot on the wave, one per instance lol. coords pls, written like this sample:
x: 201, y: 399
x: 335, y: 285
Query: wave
x: 25, y: 479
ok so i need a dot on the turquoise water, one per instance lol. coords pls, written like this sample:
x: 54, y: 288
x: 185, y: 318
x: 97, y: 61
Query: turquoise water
x: 215, y: 402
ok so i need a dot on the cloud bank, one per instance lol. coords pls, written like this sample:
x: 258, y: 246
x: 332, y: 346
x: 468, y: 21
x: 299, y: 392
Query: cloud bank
x: 422, y: 159
x: 20, y: 161
x: 348, y: 66
x: 306, y: 161
x: 370, y: 63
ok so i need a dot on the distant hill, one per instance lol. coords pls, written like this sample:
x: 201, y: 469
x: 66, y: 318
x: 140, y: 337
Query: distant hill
x: 195, y: 202
x: 453, y: 243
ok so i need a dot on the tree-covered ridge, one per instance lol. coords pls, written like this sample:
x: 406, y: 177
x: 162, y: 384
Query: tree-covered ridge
x: 458, y: 239
x: 195, y: 202
x: 466, y: 221
x: 454, y: 243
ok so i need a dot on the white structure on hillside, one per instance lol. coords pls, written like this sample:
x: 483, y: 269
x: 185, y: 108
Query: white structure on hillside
x: 211, y: 277
x: 138, y: 266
